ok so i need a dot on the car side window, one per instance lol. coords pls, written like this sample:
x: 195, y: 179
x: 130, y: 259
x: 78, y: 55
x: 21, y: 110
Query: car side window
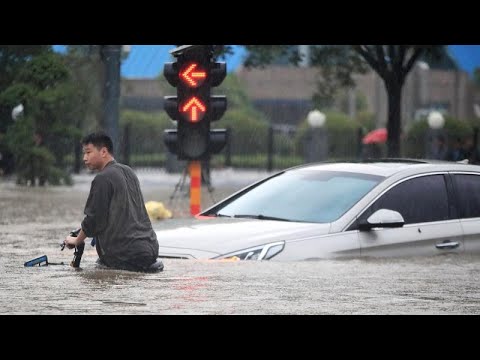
x: 421, y: 199
x: 468, y: 192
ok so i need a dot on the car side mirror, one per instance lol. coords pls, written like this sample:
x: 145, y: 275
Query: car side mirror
x: 382, y: 218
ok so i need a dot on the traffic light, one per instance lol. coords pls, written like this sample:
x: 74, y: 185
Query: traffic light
x: 194, y: 108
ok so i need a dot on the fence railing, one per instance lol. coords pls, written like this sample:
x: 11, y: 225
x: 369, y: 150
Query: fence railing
x: 280, y: 151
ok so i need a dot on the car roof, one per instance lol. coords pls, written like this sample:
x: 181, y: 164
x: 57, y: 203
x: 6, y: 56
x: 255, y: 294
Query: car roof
x: 388, y: 167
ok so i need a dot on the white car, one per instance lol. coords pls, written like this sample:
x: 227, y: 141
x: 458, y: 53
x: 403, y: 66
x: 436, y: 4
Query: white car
x: 334, y: 210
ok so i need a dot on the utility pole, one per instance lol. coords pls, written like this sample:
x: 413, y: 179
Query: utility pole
x: 111, y: 56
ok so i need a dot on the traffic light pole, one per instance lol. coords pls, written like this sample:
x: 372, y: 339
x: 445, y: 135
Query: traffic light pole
x: 194, y: 73
x: 195, y: 169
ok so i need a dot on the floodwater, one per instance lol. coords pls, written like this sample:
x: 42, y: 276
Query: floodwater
x: 33, y: 221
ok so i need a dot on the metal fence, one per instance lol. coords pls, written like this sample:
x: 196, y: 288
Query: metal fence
x: 282, y: 150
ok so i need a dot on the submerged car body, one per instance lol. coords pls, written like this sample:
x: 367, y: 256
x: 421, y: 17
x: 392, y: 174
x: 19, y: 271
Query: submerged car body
x: 337, y: 210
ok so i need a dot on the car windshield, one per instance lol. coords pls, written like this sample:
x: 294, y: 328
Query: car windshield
x: 302, y: 195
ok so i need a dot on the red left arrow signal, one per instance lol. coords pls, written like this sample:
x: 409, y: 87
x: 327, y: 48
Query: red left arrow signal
x: 195, y: 109
x: 193, y: 76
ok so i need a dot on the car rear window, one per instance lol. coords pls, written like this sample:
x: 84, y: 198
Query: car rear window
x: 468, y: 190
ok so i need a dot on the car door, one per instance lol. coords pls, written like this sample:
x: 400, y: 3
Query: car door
x: 467, y: 189
x: 430, y: 227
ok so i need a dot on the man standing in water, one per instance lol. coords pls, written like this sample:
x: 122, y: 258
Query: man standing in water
x: 115, y: 212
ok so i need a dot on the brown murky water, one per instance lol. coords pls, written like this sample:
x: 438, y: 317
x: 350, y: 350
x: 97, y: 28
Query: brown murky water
x: 34, y: 221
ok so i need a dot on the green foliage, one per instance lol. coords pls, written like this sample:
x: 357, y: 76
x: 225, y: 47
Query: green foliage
x: 33, y: 162
x: 338, y: 63
x: 85, y: 74
x: 366, y: 120
x: 248, y: 130
x: 16, y: 94
x: 414, y: 143
x: 476, y: 77
x: 457, y: 129
x: 415, y: 140
x: 284, y: 144
x: 342, y: 136
x: 11, y: 97
x: 474, y: 122
x: 236, y: 95
x: 249, y: 127
x: 439, y: 58
x: 146, y: 130
x: 13, y: 57
x: 43, y: 86
x: 44, y: 71
x: 344, y: 101
x: 83, y: 50
x: 230, y: 87
x: 261, y: 55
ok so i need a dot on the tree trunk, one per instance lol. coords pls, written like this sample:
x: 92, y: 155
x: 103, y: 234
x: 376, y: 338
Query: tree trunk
x: 394, y: 91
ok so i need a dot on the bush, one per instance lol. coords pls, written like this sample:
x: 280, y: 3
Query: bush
x: 366, y: 120
x: 249, y: 131
x: 415, y: 141
x: 33, y: 162
x: 146, y: 131
x: 342, y: 136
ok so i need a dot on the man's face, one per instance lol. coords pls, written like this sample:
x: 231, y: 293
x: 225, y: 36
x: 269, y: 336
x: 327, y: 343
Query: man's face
x: 93, y: 157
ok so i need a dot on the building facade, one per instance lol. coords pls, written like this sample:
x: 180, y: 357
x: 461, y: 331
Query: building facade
x: 284, y: 93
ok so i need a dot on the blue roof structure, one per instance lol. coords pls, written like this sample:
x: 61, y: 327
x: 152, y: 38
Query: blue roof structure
x: 146, y: 61
x: 467, y: 56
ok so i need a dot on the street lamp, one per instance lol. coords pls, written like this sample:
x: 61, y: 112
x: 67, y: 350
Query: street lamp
x: 316, y: 119
x: 316, y: 144
x: 436, y: 144
x: 17, y: 112
x: 435, y: 120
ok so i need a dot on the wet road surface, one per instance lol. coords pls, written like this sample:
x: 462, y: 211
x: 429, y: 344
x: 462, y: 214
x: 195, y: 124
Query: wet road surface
x: 33, y: 221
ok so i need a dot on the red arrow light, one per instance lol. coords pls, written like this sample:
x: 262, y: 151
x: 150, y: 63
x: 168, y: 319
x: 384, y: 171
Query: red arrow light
x: 194, y: 109
x: 192, y: 76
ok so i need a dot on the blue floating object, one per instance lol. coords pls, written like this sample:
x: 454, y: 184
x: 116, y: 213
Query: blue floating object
x: 38, y: 261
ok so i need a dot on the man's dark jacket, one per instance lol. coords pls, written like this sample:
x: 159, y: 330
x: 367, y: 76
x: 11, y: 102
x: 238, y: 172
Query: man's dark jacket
x: 116, y: 216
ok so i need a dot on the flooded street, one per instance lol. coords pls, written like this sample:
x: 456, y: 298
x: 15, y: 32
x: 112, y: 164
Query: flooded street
x: 33, y: 221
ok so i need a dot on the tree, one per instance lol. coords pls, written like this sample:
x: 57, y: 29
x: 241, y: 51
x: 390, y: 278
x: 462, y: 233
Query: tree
x: 393, y: 63
x: 40, y: 139
x: 12, y: 58
x: 476, y: 77
x: 337, y: 64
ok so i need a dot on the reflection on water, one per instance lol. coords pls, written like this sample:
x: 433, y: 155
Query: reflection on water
x: 32, y: 223
x: 442, y: 285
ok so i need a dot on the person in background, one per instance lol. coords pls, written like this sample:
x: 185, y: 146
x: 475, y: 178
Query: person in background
x: 471, y: 151
x: 440, y: 149
x: 457, y: 153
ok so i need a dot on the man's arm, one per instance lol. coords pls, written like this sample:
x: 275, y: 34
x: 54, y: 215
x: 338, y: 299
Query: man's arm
x: 97, y: 207
x: 72, y: 241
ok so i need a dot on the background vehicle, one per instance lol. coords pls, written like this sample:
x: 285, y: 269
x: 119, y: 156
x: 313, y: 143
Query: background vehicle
x: 330, y: 210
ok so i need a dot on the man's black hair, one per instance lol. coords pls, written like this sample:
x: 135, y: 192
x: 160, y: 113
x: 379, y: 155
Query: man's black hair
x: 99, y: 139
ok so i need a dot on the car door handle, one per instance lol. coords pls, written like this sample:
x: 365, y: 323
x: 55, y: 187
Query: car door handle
x: 447, y: 245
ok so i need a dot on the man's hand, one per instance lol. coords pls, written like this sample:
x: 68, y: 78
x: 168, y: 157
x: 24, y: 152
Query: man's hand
x: 72, y: 241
